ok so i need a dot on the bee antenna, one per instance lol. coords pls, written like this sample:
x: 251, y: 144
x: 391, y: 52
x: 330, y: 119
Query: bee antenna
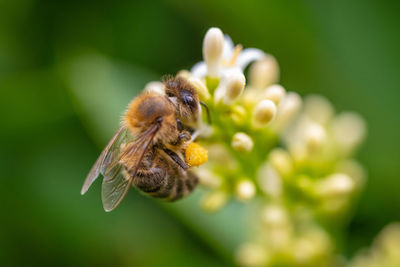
x: 207, y: 111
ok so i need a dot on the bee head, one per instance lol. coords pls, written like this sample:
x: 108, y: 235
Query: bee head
x: 184, y: 97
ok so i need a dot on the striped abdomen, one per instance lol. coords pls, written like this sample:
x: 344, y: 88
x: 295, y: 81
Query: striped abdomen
x: 162, y: 179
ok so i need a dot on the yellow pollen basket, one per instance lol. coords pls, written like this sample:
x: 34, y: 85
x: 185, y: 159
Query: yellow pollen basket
x: 195, y: 154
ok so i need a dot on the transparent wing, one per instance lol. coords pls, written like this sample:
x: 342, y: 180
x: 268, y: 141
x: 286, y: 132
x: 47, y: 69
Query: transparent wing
x: 105, y: 158
x: 118, y: 177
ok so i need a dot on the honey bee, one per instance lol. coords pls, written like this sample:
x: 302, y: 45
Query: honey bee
x: 148, y: 148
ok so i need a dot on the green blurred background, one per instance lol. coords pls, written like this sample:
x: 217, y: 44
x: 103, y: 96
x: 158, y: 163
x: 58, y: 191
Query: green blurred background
x: 68, y: 69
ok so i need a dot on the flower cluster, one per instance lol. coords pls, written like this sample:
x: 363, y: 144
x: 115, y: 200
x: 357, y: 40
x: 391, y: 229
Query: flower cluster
x: 384, y: 251
x: 288, y: 157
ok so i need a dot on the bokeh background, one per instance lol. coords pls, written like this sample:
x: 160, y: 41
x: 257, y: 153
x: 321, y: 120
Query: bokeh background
x: 68, y: 69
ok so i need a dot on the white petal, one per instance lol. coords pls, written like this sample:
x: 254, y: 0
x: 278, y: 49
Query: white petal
x: 199, y: 69
x: 228, y: 47
x: 229, y: 71
x: 247, y: 56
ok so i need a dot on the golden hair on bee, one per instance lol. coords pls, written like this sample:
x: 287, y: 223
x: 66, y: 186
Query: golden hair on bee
x: 149, y: 108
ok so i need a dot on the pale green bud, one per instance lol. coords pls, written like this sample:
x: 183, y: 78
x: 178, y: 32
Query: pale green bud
x: 214, y: 200
x: 245, y: 189
x: 234, y: 87
x: 242, y: 142
x: 264, y: 72
x: 275, y: 93
x: 263, y: 113
x: 157, y: 87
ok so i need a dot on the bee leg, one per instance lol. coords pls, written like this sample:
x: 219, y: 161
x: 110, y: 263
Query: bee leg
x: 184, y: 136
x: 176, y: 158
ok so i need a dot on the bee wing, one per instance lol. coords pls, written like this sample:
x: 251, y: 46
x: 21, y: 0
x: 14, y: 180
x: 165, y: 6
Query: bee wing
x: 118, y: 177
x: 101, y: 161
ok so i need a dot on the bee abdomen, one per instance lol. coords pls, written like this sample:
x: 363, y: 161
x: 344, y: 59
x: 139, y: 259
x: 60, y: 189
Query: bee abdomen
x: 170, y: 185
x: 184, y: 184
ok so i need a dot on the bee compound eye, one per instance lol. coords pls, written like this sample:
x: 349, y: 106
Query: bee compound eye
x: 188, y: 99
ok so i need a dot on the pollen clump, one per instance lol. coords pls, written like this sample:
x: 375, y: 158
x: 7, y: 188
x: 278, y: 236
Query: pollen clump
x: 195, y: 154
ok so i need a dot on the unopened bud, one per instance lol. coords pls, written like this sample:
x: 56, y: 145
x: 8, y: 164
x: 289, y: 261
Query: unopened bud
x: 234, y: 87
x: 242, y: 142
x: 208, y: 178
x: 270, y: 181
x: 318, y: 108
x: 157, y: 87
x: 275, y: 93
x: 264, y: 72
x: 315, y: 137
x: 184, y: 74
x: 337, y: 184
x: 200, y: 88
x: 288, y: 109
x: 213, y: 44
x: 250, y: 255
x: 281, y: 161
x: 274, y: 215
x: 349, y: 130
x: 354, y: 169
x: 214, y: 201
x: 245, y: 189
x: 238, y: 114
x: 264, y: 113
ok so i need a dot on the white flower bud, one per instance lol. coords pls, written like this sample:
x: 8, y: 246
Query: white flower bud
x: 263, y: 113
x: 282, y: 162
x: 280, y: 229
x: 213, y: 44
x: 354, y: 169
x: 157, y: 87
x: 315, y: 137
x: 275, y: 93
x: 214, y: 201
x: 200, y: 88
x: 238, y: 114
x: 349, y: 130
x: 335, y: 185
x: 264, y: 72
x: 311, y: 245
x: 318, y: 108
x: 270, y: 181
x: 250, y: 255
x: 219, y: 94
x: 242, y: 142
x: 208, y: 178
x: 245, y: 189
x: 234, y: 87
x: 251, y: 96
x: 288, y: 109
x: 184, y: 74
x: 274, y: 215
x: 389, y: 241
